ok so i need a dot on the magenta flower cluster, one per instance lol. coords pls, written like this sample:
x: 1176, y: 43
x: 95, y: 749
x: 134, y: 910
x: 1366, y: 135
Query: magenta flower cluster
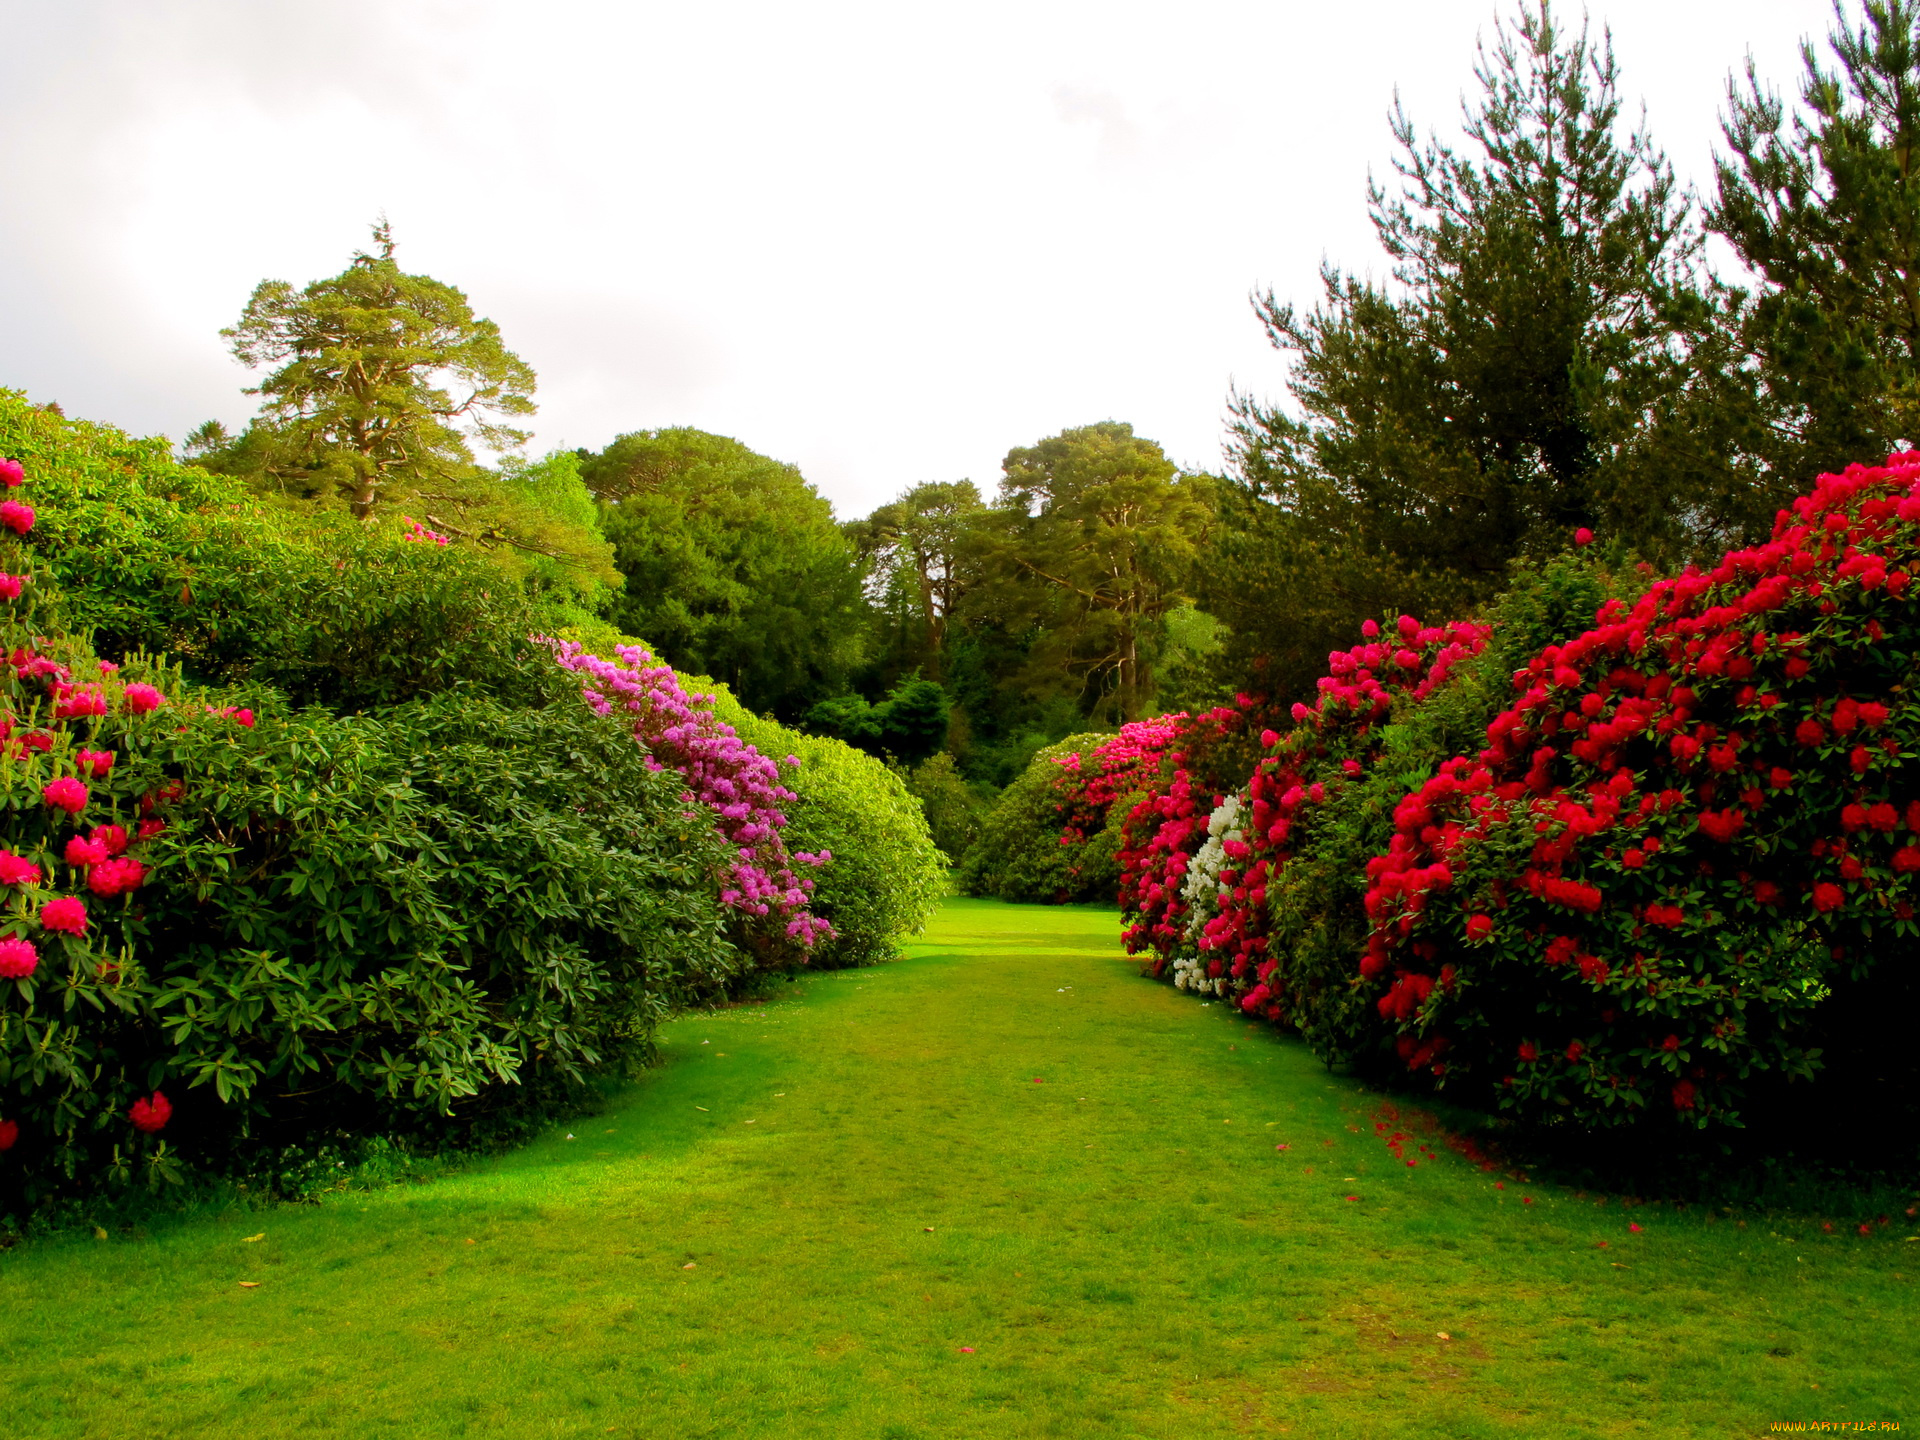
x: 420, y: 534
x: 739, y: 785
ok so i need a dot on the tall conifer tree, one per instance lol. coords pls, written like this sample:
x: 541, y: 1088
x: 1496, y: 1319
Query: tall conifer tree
x: 1531, y: 367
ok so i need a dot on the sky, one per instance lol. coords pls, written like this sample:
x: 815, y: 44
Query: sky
x: 885, y: 242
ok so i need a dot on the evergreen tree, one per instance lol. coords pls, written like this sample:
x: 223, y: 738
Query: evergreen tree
x: 1822, y: 203
x: 378, y: 370
x: 1534, y: 366
x: 916, y: 549
x: 1090, y: 542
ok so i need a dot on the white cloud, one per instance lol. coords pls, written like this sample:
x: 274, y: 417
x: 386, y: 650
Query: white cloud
x: 885, y: 242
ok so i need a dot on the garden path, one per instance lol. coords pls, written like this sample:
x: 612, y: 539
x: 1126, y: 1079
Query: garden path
x: 1003, y: 1188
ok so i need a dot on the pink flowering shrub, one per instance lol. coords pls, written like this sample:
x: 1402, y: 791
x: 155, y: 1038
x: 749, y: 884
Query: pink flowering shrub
x: 1209, y: 915
x: 736, y: 784
x: 1167, y: 826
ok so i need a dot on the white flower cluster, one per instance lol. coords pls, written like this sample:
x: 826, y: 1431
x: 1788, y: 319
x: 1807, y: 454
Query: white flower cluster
x: 1203, y: 893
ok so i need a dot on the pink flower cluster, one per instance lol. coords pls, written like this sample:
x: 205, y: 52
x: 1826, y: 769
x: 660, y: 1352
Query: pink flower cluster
x: 1163, y: 831
x: 1126, y: 764
x: 739, y: 785
x: 421, y: 535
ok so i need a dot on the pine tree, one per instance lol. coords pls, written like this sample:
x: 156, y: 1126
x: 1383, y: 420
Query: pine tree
x: 377, y: 371
x: 1535, y: 365
x: 1822, y: 203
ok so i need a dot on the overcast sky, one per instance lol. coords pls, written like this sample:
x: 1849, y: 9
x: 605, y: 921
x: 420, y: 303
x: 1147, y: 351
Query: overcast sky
x: 886, y: 242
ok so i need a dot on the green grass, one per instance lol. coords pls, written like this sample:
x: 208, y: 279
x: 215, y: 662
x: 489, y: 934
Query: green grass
x: 894, y: 1232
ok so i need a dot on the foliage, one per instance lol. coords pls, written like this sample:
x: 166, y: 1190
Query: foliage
x: 367, y: 924
x: 956, y: 809
x: 377, y: 368
x: 1055, y: 833
x: 883, y: 876
x: 1546, y: 359
x: 1090, y: 542
x: 1821, y: 204
x: 733, y: 566
x: 918, y: 551
x: 738, y: 785
x: 909, y: 725
x: 154, y: 556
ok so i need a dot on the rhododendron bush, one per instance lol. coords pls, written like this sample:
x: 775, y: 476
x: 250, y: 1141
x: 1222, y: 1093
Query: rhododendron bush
x: 737, y: 785
x: 1691, y: 823
x: 1165, y: 828
x: 1686, y: 825
x: 1206, y: 909
x: 227, y: 922
x: 85, y: 788
x: 1056, y: 832
x: 1021, y: 853
x: 886, y: 876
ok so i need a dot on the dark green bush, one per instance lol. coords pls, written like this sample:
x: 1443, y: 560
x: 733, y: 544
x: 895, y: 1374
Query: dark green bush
x: 156, y: 556
x: 956, y: 808
x: 365, y: 924
x: 1019, y: 855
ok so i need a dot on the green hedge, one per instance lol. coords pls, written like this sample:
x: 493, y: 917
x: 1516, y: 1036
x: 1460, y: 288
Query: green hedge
x: 1019, y: 855
x: 156, y: 556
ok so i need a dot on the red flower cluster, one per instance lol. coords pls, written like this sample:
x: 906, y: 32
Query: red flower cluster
x: 1700, y: 801
x: 150, y: 1116
x: 1331, y: 747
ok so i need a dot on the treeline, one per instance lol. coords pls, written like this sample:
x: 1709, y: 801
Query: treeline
x: 1550, y: 350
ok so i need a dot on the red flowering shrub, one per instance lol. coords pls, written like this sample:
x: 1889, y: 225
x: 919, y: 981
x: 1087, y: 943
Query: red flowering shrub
x: 1199, y: 896
x: 85, y: 751
x: 1165, y: 828
x: 1691, y: 821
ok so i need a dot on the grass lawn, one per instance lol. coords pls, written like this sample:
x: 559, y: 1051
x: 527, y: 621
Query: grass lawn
x: 854, y: 1213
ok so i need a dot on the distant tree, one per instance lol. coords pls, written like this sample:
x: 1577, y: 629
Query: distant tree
x: 733, y: 565
x: 1822, y: 203
x: 377, y: 371
x: 916, y: 549
x: 1091, y: 540
x: 1544, y: 358
x: 909, y: 726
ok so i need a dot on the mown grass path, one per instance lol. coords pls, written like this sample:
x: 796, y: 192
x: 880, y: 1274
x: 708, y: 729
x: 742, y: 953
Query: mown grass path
x: 893, y: 1231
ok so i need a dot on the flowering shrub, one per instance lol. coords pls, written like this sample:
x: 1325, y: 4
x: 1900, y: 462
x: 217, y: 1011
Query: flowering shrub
x: 738, y: 785
x: 86, y: 790
x: 1216, y: 931
x: 222, y: 921
x: 1166, y: 827
x: 886, y: 876
x: 1204, y: 892
x: 419, y: 534
x: 1693, y: 820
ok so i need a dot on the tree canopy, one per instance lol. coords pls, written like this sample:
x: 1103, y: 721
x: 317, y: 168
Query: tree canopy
x: 1534, y: 366
x: 734, y: 566
x: 381, y: 380
x: 1091, y: 541
x: 377, y: 371
x: 1822, y: 204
